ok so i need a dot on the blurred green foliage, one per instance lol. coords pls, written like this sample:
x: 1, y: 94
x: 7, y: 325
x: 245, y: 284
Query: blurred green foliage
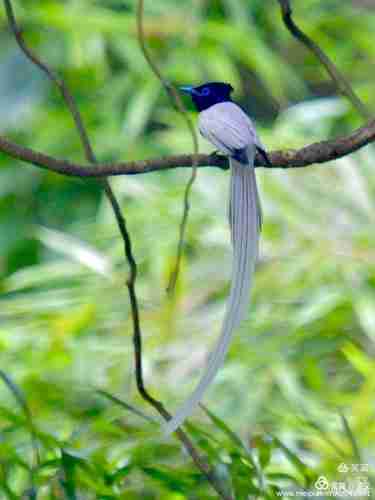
x: 304, y: 358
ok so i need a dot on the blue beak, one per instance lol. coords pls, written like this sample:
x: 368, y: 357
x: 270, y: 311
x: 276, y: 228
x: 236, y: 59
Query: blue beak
x: 187, y: 89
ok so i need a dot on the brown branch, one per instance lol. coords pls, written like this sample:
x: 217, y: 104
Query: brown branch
x: 199, y: 461
x: 318, y: 152
x: 137, y: 335
x: 341, y: 82
x: 54, y: 77
x: 176, y: 99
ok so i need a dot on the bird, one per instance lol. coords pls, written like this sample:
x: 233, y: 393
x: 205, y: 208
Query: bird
x: 227, y: 127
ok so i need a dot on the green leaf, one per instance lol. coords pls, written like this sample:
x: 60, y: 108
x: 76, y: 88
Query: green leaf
x: 352, y: 439
x: 294, y: 459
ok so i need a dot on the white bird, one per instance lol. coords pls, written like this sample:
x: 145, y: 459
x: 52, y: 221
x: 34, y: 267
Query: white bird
x: 232, y: 132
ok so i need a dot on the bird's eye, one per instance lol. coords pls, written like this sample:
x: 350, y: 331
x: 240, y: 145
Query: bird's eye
x: 205, y: 91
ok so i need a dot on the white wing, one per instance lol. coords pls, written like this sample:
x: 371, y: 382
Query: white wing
x: 228, y: 128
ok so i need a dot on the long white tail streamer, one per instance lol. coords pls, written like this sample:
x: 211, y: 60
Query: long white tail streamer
x: 245, y: 221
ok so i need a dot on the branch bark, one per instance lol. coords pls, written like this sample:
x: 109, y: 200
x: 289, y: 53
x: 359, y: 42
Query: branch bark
x: 341, y: 82
x: 316, y: 153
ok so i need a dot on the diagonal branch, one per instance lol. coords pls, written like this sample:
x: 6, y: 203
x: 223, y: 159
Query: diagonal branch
x: 341, y: 82
x: 316, y: 153
x: 54, y: 77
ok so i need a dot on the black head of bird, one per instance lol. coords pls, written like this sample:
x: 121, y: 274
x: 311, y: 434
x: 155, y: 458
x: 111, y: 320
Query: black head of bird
x: 206, y: 95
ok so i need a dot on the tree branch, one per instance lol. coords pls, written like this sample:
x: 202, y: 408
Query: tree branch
x: 318, y: 152
x: 341, y: 82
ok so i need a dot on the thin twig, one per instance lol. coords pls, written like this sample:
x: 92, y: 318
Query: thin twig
x: 176, y: 99
x: 199, y: 461
x: 316, y: 153
x: 182, y: 229
x: 201, y: 464
x: 52, y: 75
x: 341, y: 82
x: 125, y: 405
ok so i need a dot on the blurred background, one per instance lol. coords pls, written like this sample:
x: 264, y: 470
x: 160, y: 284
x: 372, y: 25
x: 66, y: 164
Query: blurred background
x: 298, y: 385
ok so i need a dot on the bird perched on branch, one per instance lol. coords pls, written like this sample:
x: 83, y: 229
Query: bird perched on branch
x: 232, y: 132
